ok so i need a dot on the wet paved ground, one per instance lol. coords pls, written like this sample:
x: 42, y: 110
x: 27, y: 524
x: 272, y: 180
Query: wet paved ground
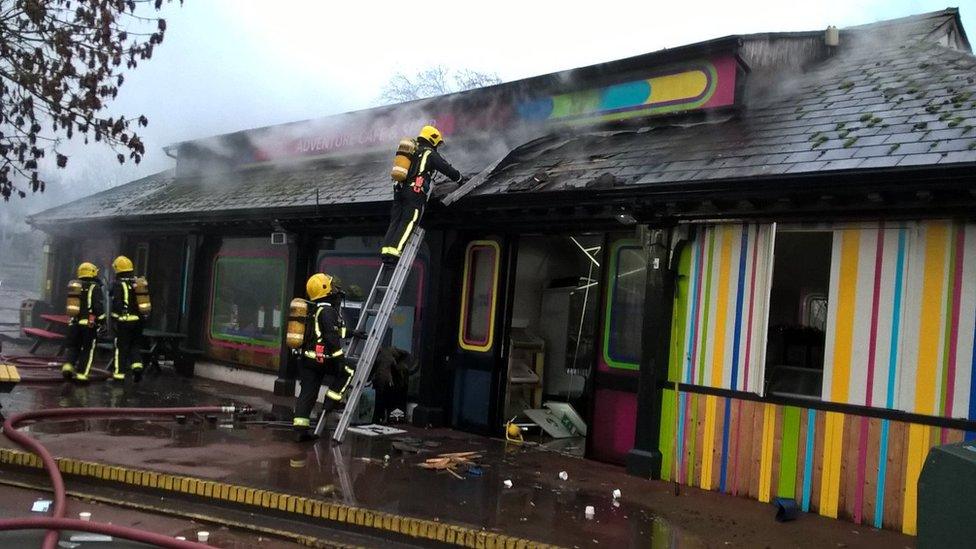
x: 539, y: 506
x: 17, y: 502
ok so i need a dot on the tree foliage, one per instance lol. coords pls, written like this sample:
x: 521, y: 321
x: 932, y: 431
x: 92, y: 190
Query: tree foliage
x: 61, y: 64
x: 437, y: 80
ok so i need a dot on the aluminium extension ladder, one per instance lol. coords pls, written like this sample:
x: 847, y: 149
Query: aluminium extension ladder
x: 379, y: 306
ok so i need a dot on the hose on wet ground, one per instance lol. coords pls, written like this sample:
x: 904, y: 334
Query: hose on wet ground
x: 54, y: 524
x: 37, y: 365
x: 57, y: 482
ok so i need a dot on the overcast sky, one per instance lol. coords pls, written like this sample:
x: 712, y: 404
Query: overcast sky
x: 234, y: 64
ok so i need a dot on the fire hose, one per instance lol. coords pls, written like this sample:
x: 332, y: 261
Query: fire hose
x: 37, y: 365
x: 57, y: 522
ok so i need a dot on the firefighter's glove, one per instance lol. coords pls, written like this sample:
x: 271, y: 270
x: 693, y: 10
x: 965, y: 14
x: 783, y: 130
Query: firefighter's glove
x: 320, y: 353
x: 359, y: 334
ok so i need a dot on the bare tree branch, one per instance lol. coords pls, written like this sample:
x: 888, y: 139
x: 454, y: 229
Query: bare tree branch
x: 61, y: 64
x: 433, y: 81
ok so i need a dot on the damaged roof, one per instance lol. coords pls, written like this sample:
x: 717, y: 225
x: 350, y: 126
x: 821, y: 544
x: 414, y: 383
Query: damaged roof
x: 879, y: 103
x: 896, y: 93
x: 114, y: 202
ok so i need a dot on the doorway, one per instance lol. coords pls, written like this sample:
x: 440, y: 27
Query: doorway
x: 551, y: 346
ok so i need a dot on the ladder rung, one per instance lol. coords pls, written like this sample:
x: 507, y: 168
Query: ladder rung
x: 372, y: 310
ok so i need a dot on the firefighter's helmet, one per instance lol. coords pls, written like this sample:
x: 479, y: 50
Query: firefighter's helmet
x: 87, y: 270
x: 431, y: 134
x: 122, y: 264
x: 319, y: 285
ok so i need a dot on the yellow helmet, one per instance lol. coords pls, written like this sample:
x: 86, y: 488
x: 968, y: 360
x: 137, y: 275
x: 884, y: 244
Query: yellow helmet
x: 87, y: 270
x: 318, y: 286
x: 432, y: 134
x: 122, y: 264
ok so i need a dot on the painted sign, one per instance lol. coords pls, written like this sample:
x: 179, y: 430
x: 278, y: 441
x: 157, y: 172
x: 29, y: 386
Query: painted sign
x: 696, y: 85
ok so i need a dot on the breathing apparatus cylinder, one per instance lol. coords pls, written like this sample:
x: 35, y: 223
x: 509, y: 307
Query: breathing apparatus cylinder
x: 141, y: 287
x: 73, y: 307
x: 297, y: 318
x: 403, y: 160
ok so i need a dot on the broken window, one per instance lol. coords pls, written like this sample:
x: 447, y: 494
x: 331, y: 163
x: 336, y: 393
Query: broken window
x: 478, y: 297
x: 798, y: 313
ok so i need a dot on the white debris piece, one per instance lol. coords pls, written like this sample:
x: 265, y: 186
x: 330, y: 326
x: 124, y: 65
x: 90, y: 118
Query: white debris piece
x: 508, y: 483
x: 563, y: 475
x: 590, y: 512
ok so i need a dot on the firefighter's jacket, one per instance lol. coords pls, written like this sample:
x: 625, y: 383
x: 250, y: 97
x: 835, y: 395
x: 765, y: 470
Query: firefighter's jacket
x: 324, y: 339
x: 428, y: 161
x: 123, y: 299
x: 91, y: 310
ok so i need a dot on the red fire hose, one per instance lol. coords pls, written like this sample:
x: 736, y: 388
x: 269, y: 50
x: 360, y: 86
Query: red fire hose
x: 141, y: 536
x: 57, y: 482
x: 46, y: 369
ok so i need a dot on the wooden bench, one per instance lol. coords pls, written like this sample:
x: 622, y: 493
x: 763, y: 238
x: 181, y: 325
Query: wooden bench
x: 9, y: 377
x: 41, y: 336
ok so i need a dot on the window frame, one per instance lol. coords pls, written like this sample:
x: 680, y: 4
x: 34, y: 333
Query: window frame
x: 464, y: 342
x: 615, y: 250
x: 241, y: 342
x: 802, y: 317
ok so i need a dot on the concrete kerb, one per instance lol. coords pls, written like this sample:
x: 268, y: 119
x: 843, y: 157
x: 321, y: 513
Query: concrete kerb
x: 453, y: 534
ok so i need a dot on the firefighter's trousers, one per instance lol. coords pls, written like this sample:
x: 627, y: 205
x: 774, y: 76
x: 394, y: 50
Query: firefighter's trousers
x: 128, y: 336
x: 407, y: 210
x: 80, y: 346
x: 311, y: 375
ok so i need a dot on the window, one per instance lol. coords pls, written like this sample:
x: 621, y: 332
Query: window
x: 356, y: 272
x: 248, y: 297
x: 798, y: 313
x: 142, y: 259
x: 478, y: 296
x: 625, y: 306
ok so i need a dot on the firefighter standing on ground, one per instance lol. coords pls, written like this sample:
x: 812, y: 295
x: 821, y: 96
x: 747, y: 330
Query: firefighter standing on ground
x: 85, y: 319
x: 321, y: 352
x: 126, y: 320
x: 410, y: 196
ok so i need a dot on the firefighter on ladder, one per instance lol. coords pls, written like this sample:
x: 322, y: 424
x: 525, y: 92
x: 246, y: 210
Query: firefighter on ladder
x: 321, y: 354
x: 83, y: 326
x: 410, y: 196
x: 126, y: 320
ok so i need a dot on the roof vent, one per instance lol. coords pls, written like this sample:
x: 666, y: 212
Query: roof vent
x: 832, y: 37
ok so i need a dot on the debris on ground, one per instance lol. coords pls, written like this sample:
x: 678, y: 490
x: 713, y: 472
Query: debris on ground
x: 563, y: 475
x: 454, y: 462
x: 408, y: 448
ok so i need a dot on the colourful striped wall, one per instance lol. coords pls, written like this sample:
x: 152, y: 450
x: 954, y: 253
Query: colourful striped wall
x: 723, y: 337
x: 838, y: 465
x: 900, y: 335
x: 900, y: 324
